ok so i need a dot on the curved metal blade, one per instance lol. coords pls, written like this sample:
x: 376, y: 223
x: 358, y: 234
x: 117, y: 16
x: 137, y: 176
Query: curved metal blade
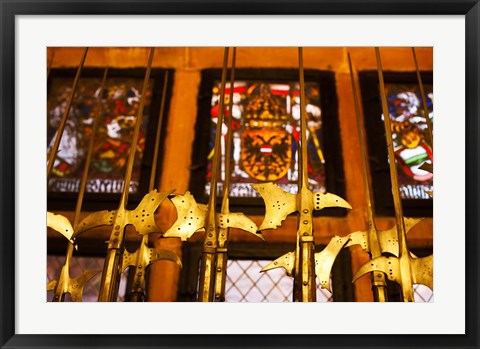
x: 422, y: 271
x: 238, y: 220
x: 129, y: 259
x: 287, y: 262
x: 321, y: 200
x: 388, y: 265
x: 388, y: 240
x: 324, y: 260
x: 76, y: 285
x: 410, y: 222
x: 95, y: 219
x: 358, y: 238
x: 278, y: 204
x: 61, y: 224
x: 165, y: 255
x: 191, y: 217
x: 51, y: 285
x: 142, y: 217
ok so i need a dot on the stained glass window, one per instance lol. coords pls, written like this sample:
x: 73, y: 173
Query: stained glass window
x: 411, y: 141
x: 120, y: 102
x: 266, y: 132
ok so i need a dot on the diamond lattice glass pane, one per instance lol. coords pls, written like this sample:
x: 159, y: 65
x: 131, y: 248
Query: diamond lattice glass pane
x: 422, y: 294
x: 245, y: 283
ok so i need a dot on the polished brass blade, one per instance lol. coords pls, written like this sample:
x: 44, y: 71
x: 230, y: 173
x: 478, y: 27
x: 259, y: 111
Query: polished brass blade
x: 143, y: 257
x: 142, y: 217
x: 278, y: 204
x: 322, y: 200
x: 422, y: 271
x: 324, y: 260
x: 388, y: 239
x: 388, y: 265
x: 359, y: 238
x: 77, y: 285
x: 240, y: 221
x: 190, y: 217
x: 95, y: 219
x: 51, y: 285
x: 60, y: 224
x: 287, y: 262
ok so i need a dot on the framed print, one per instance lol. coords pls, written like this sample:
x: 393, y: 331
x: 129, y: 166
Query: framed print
x: 110, y: 156
x: 190, y: 39
x: 326, y: 168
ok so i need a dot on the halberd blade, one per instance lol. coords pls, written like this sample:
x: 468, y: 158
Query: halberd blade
x: 61, y: 224
x: 95, y: 219
x: 358, y: 238
x: 240, y: 221
x: 388, y: 265
x: 51, y: 285
x: 422, y: 271
x: 324, y: 260
x: 190, y: 217
x: 142, y: 217
x: 278, y: 204
x: 322, y: 200
x: 410, y: 222
x: 165, y: 255
x: 77, y: 285
x: 388, y: 240
x: 287, y: 262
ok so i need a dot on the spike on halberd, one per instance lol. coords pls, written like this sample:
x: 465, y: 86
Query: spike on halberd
x: 287, y: 262
x: 322, y: 200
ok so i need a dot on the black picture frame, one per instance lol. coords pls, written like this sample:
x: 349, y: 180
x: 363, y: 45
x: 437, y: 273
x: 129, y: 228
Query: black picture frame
x: 10, y: 9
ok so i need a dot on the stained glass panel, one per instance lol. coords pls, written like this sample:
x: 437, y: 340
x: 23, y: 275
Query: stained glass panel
x: 265, y: 126
x: 120, y: 102
x: 410, y: 137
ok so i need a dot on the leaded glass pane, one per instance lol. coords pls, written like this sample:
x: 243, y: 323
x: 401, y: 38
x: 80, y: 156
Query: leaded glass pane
x: 245, y: 283
x: 266, y: 132
x: 410, y: 138
x: 120, y: 103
